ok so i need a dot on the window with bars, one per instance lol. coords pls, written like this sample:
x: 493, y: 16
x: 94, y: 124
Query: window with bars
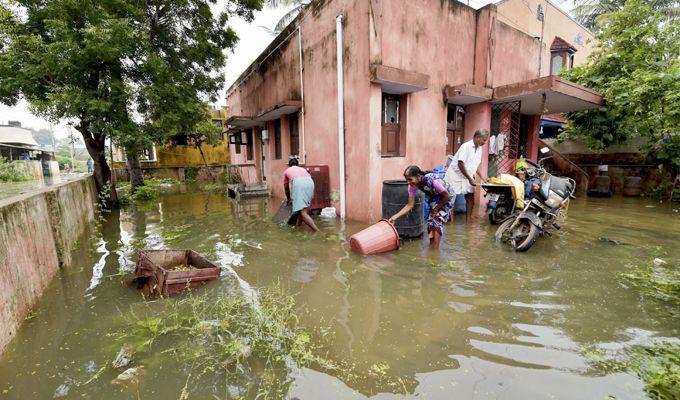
x: 294, y: 135
x: 277, y: 139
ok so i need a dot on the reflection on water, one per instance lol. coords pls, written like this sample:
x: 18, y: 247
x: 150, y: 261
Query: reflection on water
x: 471, y: 320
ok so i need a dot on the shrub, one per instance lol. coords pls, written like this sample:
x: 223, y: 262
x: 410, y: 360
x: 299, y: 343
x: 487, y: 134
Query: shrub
x: 145, y: 193
x: 9, y: 172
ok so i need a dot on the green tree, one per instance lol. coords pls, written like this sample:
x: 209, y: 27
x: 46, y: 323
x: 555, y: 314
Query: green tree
x: 206, y: 132
x: 135, y: 72
x: 287, y: 18
x: 636, y: 67
x: 591, y: 13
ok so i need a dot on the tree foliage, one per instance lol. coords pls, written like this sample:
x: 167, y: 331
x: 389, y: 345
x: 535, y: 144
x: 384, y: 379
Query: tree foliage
x: 636, y: 67
x: 593, y: 13
x: 136, y: 72
x: 298, y: 6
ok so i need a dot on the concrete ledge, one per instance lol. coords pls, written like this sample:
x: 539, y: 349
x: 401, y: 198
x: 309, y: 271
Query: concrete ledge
x: 398, y: 81
x: 467, y: 93
x: 38, y: 231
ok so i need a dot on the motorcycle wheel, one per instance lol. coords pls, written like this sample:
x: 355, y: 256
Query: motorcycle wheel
x: 522, y: 236
x: 497, y: 215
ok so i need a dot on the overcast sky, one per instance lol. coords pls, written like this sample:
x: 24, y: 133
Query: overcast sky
x: 253, y: 40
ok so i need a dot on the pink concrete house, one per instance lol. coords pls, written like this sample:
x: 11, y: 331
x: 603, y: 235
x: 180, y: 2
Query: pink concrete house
x: 369, y: 87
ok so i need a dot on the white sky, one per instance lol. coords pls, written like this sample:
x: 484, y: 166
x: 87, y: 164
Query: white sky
x: 253, y: 40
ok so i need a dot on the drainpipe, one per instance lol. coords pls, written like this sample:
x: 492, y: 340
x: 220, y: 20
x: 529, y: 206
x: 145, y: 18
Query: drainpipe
x: 341, y: 116
x: 303, y: 153
x: 541, y: 17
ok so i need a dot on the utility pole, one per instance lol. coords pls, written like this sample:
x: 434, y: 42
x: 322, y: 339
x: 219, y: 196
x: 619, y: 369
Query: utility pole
x: 73, y: 141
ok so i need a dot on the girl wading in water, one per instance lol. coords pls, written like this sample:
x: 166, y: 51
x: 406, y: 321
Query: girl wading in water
x: 438, y: 196
x: 302, y: 192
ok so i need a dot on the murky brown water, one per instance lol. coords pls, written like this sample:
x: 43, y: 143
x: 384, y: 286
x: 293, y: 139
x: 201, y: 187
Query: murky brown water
x: 472, y: 320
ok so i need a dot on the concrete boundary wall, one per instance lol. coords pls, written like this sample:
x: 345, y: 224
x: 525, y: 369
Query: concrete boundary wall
x: 38, y: 231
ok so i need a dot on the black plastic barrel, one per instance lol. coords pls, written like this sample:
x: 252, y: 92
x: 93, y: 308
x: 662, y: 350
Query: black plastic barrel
x: 394, y: 198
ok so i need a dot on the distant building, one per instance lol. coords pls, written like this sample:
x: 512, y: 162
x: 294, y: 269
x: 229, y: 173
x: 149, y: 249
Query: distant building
x: 17, y: 144
x: 179, y: 152
x: 418, y: 78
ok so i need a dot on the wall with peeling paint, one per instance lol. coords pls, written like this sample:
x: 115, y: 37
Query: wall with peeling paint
x: 446, y: 40
x: 38, y: 231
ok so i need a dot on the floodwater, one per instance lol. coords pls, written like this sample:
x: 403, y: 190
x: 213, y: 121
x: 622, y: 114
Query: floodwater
x: 471, y: 320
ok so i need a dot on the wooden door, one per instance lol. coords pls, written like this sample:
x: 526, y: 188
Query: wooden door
x: 454, y: 128
x: 390, y: 125
x: 450, y: 140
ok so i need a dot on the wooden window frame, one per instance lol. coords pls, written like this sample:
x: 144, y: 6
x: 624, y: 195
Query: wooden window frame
x: 294, y: 132
x: 277, y: 139
x: 401, y: 126
x: 250, y: 156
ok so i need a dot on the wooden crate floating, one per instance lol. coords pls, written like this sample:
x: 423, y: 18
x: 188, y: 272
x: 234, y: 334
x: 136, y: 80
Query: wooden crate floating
x: 154, y: 274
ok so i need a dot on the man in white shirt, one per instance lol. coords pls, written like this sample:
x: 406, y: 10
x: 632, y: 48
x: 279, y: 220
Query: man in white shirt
x: 460, y: 174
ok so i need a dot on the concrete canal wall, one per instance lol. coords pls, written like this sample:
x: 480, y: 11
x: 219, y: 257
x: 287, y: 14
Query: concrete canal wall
x: 38, y: 231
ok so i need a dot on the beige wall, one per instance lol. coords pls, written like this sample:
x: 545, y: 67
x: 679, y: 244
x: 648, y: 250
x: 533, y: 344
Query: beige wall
x: 521, y: 15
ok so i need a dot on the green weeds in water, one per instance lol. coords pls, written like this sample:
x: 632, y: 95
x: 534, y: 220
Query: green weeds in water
x: 174, y: 232
x: 225, y: 335
x: 661, y: 283
x: 215, y: 187
x: 444, y: 266
x: 657, y: 365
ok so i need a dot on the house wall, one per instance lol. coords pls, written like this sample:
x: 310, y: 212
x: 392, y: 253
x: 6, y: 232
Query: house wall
x: 431, y: 37
x: 447, y: 40
x: 521, y: 15
x: 170, y: 156
x: 277, y: 79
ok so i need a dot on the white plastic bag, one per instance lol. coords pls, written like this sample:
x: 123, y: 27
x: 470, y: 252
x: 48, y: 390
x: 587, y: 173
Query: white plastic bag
x: 329, y: 212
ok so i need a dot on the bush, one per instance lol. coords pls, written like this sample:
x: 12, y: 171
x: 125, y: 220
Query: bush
x: 161, y: 181
x: 9, y: 172
x: 228, y: 178
x: 145, y: 193
x: 190, y: 173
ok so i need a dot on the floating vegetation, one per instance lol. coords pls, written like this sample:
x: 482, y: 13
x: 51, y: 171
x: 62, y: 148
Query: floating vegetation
x: 444, y: 265
x: 661, y: 282
x: 215, y: 187
x: 657, y: 365
x: 225, y: 338
x: 173, y: 233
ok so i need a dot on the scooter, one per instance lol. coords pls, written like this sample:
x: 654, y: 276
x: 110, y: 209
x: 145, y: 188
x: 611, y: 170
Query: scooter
x: 547, y: 201
x: 503, y: 195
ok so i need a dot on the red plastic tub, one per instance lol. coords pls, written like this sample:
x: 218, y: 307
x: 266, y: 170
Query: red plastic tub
x: 377, y: 238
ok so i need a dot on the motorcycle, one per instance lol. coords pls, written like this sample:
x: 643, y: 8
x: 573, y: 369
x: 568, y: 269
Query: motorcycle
x: 503, y: 194
x: 547, y: 201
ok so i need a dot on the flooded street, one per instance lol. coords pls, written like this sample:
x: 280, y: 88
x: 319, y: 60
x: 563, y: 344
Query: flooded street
x: 471, y: 320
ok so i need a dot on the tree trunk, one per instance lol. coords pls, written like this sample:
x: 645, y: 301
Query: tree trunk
x: 102, y: 173
x: 133, y: 167
x: 200, y: 150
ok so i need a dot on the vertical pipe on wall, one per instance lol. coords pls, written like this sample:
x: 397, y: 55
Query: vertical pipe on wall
x: 341, y: 116
x: 303, y: 154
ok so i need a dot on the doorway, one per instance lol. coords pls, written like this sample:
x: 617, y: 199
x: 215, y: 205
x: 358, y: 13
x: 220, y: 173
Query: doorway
x: 455, y: 120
